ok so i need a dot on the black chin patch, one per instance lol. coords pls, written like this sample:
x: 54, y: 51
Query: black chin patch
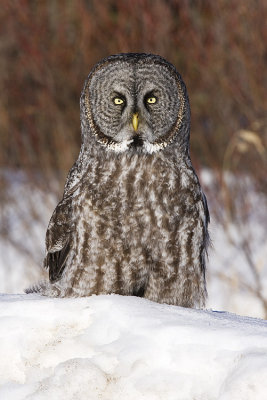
x: 137, y: 141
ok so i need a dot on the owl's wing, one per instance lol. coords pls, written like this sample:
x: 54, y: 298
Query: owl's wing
x: 58, y: 239
x: 206, y: 209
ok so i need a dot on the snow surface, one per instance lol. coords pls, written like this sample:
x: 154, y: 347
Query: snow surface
x: 115, y: 347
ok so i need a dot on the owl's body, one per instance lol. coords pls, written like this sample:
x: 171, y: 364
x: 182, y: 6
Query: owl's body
x: 133, y: 218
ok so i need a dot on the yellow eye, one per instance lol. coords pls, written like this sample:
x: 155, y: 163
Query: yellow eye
x: 118, y: 100
x: 151, y: 100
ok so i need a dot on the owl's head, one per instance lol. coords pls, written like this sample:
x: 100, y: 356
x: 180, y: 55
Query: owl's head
x: 135, y: 102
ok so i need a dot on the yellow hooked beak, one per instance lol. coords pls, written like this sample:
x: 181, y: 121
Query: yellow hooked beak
x: 135, y: 121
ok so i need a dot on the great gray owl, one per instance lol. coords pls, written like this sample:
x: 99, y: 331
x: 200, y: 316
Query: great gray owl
x: 133, y: 218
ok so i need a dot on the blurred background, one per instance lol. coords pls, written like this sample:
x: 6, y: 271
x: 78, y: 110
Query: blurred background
x: 47, y: 49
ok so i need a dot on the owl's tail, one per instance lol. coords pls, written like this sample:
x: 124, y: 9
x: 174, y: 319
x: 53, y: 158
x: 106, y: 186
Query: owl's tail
x: 44, y: 288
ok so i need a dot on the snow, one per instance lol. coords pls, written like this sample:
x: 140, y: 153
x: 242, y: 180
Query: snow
x: 24, y: 217
x: 231, y: 285
x: 115, y: 347
x: 237, y: 268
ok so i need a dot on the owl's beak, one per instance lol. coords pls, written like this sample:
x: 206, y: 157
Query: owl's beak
x: 135, y: 121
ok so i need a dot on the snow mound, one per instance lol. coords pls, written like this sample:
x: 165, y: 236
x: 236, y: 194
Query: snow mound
x: 114, y: 347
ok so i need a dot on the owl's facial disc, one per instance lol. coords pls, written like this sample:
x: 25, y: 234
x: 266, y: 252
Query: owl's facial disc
x: 133, y: 105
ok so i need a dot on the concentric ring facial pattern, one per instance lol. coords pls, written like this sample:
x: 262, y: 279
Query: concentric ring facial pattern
x: 135, y: 80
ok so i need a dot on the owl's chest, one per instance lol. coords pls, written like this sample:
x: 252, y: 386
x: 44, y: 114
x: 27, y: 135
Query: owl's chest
x: 139, y: 195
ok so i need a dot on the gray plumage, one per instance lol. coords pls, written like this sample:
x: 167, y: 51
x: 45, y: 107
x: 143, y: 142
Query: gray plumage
x: 133, y: 218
